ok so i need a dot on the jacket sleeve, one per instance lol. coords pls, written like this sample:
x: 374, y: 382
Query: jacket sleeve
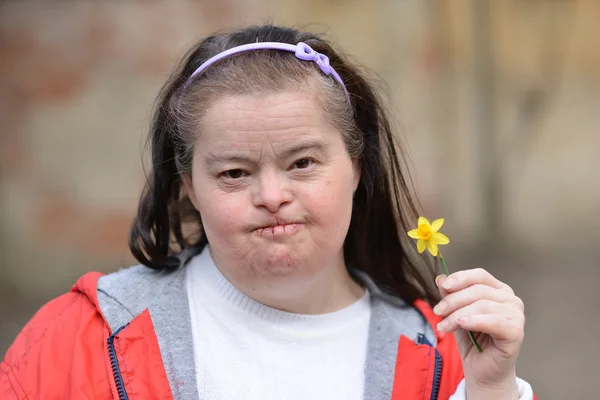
x: 61, y: 343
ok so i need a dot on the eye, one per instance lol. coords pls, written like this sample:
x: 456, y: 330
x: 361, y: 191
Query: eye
x: 303, y: 163
x: 234, y: 173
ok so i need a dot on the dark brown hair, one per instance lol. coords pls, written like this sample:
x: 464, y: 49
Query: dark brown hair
x: 383, y: 209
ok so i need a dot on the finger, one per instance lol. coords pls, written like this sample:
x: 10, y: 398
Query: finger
x: 495, y: 325
x: 481, y: 307
x: 457, y: 300
x: 462, y: 279
x: 439, y: 281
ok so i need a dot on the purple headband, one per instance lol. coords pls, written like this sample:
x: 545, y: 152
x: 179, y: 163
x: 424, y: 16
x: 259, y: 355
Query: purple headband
x: 301, y: 50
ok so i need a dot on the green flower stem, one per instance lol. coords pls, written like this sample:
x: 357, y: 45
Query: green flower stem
x: 473, y: 340
x: 443, y: 263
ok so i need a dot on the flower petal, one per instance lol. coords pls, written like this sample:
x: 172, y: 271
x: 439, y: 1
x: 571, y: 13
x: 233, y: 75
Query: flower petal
x: 421, y: 245
x: 414, y: 233
x: 423, y: 221
x: 433, y: 248
x: 437, y: 224
x: 440, y: 238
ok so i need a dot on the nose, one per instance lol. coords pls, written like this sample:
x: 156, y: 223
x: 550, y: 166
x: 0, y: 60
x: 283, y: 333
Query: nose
x: 272, y: 191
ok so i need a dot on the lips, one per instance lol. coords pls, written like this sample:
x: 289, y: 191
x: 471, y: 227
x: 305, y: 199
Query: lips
x: 278, y: 228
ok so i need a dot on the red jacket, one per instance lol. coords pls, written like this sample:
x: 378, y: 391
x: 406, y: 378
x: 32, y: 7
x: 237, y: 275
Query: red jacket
x: 64, y: 352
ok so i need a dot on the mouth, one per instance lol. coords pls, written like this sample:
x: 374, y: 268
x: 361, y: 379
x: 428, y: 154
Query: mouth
x: 279, y: 230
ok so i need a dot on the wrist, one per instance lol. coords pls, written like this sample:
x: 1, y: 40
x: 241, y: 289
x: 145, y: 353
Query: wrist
x: 506, y: 390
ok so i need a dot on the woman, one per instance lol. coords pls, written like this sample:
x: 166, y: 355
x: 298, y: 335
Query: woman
x: 273, y: 259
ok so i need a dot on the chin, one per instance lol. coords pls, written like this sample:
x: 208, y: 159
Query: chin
x: 279, y: 259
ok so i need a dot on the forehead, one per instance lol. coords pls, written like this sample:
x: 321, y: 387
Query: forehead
x: 272, y: 117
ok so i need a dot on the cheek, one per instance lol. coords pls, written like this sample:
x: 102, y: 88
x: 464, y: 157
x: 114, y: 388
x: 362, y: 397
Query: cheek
x: 331, y: 205
x: 222, y: 214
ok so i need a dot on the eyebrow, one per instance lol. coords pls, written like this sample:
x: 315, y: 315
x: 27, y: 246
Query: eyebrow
x: 215, y: 158
x: 319, y: 146
x: 315, y: 145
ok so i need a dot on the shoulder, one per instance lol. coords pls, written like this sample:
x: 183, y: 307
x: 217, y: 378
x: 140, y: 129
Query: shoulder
x: 138, y: 283
x: 56, y: 320
x: 125, y: 294
x: 394, y: 315
x: 46, y: 343
x: 415, y: 320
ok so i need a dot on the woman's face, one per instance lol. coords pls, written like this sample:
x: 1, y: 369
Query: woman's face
x: 273, y: 183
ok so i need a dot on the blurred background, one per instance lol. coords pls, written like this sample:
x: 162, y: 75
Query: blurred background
x: 497, y: 102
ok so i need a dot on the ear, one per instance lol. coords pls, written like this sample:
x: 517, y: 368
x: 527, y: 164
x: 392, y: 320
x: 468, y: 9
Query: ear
x: 357, y: 167
x: 188, y: 186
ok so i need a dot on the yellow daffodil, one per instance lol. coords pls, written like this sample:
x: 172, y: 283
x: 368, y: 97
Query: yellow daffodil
x: 428, y: 235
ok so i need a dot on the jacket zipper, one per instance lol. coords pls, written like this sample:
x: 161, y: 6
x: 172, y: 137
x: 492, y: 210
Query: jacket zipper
x: 437, y: 376
x: 114, y: 363
x: 437, y: 370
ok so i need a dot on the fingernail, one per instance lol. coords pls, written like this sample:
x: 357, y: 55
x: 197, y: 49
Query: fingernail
x: 449, y: 283
x: 439, y: 279
x: 442, y: 326
x: 440, y: 308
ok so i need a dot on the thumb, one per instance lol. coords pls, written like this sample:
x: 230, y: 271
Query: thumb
x: 439, y: 281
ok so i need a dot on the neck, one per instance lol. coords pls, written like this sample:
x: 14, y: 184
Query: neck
x: 328, y: 290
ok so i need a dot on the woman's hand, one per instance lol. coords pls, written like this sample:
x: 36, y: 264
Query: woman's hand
x: 474, y: 300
